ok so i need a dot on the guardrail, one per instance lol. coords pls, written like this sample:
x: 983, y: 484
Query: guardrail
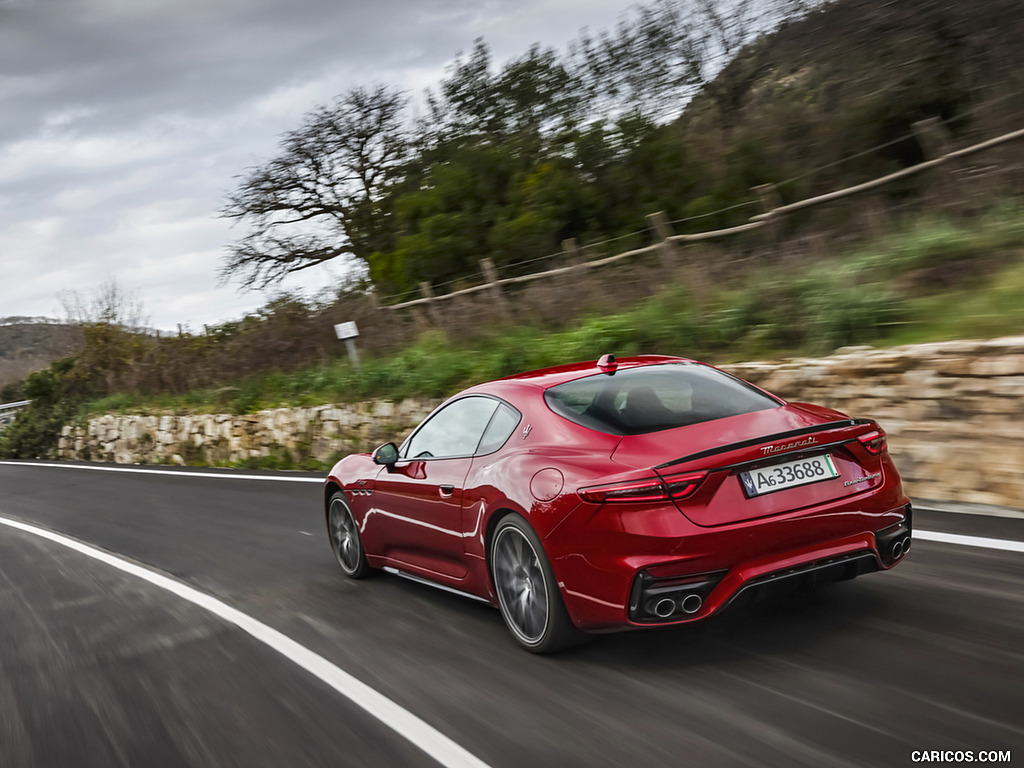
x: 8, y: 411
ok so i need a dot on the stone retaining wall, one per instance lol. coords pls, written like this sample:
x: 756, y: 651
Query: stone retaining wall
x: 292, y: 436
x: 953, y: 412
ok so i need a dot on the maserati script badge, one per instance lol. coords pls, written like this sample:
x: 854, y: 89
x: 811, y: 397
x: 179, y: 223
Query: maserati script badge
x: 768, y: 450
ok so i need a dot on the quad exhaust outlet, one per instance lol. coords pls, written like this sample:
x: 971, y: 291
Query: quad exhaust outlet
x: 671, y: 598
x: 893, y: 543
x: 690, y: 603
x: 900, y: 548
x: 666, y: 606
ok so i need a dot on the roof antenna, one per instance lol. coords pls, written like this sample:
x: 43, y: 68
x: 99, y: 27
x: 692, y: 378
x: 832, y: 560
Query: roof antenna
x: 607, y: 364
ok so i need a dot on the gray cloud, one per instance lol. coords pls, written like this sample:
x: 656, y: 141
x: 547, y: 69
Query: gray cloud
x: 123, y: 123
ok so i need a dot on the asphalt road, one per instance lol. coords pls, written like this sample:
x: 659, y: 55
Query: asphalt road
x: 98, y: 667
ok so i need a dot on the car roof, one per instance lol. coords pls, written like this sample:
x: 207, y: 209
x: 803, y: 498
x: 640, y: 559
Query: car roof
x: 549, y: 377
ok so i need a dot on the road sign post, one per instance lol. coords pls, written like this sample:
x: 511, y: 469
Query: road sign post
x: 348, y: 332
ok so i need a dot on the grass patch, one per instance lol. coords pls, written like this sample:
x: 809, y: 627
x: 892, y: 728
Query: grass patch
x: 991, y: 307
x: 938, y: 279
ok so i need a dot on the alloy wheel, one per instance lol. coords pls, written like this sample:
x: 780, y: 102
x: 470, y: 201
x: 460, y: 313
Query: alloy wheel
x: 521, y: 585
x: 345, y: 537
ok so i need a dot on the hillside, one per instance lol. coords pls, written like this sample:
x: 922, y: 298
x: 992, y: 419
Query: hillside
x: 830, y: 100
x: 31, y: 344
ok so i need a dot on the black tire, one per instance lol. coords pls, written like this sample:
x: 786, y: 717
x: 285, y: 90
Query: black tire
x: 345, y: 540
x: 528, y: 595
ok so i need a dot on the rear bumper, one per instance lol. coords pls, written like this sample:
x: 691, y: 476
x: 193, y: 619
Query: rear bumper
x: 636, y: 561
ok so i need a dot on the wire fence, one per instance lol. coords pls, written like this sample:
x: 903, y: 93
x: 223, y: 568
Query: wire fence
x: 772, y: 212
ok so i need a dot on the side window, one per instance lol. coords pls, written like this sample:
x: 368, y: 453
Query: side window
x: 453, y: 431
x: 505, y: 419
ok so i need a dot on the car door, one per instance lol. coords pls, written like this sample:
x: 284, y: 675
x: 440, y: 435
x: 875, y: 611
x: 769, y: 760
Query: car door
x: 419, y: 500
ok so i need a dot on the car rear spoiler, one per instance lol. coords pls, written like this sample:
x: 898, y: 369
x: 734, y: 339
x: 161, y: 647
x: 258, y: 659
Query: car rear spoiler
x: 844, y: 423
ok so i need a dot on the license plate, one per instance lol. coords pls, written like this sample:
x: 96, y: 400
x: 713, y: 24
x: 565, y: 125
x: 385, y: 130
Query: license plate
x: 778, y: 477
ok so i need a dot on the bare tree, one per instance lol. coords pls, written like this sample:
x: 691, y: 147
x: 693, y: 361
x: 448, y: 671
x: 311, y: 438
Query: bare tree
x: 648, y: 65
x: 664, y: 52
x: 109, y: 304
x: 324, y: 196
x: 113, y: 323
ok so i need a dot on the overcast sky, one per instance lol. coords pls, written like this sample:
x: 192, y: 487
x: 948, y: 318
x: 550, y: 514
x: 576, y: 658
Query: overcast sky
x: 124, y: 122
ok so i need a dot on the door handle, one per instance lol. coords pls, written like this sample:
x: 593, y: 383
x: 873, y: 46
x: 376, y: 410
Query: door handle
x: 446, y: 490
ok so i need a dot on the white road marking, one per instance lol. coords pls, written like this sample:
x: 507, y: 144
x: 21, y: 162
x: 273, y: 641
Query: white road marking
x: 1006, y: 545
x: 403, y: 722
x: 945, y: 538
x: 148, y: 471
x: 426, y: 737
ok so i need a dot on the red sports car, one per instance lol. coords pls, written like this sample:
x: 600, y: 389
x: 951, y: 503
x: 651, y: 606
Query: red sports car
x: 645, y: 492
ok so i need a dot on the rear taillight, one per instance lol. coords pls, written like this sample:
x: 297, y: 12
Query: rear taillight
x: 640, y: 490
x: 681, y: 486
x: 646, y: 490
x: 874, y: 441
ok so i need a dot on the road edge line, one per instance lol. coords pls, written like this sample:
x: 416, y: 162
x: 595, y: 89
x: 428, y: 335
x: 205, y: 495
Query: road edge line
x: 415, y: 730
x: 1006, y: 545
x: 147, y: 471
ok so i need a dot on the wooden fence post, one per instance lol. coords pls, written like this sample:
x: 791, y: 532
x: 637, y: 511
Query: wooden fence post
x: 768, y: 196
x: 932, y: 138
x: 491, y: 277
x: 934, y: 142
x: 428, y: 293
x: 571, y: 251
x: 662, y: 232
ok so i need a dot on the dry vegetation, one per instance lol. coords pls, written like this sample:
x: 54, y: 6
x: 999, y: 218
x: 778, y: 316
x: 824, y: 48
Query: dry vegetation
x: 827, y: 101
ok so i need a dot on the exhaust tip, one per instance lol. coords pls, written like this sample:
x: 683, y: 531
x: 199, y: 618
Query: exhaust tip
x: 897, y: 550
x: 906, y: 545
x: 691, y: 603
x: 664, y: 608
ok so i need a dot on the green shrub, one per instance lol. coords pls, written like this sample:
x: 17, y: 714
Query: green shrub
x: 37, y: 428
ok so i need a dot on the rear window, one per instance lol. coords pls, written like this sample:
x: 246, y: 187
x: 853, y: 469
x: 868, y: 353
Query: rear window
x: 636, y: 401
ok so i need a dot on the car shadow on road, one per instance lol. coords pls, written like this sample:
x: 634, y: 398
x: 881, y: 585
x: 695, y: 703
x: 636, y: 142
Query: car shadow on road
x: 389, y: 611
x: 784, y: 622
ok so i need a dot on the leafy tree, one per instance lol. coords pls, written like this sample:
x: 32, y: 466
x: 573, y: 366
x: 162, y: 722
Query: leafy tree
x: 13, y: 392
x: 508, y: 160
x: 547, y: 204
x: 325, y: 194
x: 35, y: 432
x: 529, y: 98
x: 487, y: 131
x: 444, y: 222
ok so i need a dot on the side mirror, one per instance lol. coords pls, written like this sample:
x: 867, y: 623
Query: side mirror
x: 386, y: 454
